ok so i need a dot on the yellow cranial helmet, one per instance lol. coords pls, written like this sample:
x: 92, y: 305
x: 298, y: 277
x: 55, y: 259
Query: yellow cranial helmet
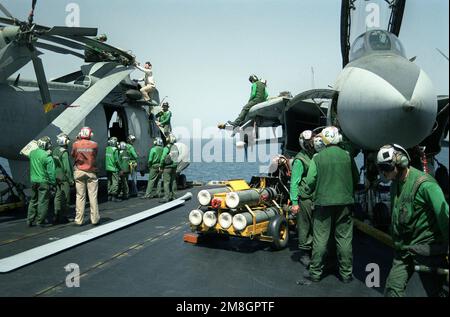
x: 331, y: 135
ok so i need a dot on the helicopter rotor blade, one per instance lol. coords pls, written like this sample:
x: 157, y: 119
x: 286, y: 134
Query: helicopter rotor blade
x: 41, y: 79
x: 442, y: 53
x: 102, y: 46
x: 58, y: 49
x: 72, y: 31
x: 9, y: 21
x: 5, y: 11
x: 63, y: 41
x: 68, y: 77
x: 31, y: 15
x: 73, y: 116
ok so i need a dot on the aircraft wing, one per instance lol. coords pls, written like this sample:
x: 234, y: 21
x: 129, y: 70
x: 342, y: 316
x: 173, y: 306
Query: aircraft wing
x: 311, y: 95
x: 268, y: 113
x: 306, y: 111
x: 73, y: 116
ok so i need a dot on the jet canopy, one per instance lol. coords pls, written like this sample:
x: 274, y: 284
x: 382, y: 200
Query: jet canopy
x: 376, y: 41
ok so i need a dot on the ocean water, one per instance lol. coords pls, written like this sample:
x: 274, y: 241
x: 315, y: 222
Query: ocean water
x: 204, y: 172
x: 219, y: 159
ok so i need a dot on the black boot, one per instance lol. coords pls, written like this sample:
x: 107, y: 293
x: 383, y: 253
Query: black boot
x: 307, y: 276
x: 304, y: 259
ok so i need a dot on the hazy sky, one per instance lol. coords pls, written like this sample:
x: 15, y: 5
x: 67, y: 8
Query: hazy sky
x: 203, y: 51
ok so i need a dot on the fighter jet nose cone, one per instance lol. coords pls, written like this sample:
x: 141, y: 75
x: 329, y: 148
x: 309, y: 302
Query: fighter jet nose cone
x: 409, y: 105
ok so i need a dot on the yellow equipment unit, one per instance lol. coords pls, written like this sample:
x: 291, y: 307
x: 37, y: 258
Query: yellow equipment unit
x: 240, y: 210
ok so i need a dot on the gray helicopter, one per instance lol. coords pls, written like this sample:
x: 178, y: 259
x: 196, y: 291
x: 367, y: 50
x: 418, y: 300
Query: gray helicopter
x: 100, y: 95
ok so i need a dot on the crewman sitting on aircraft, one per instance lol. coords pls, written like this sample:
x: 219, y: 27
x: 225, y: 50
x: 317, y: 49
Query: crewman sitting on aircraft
x: 301, y: 201
x: 93, y: 54
x: 419, y: 223
x: 42, y: 174
x: 163, y: 119
x: 258, y: 94
x: 149, y: 81
x: 124, y: 162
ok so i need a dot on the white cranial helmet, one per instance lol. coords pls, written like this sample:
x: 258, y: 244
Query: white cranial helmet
x: 112, y: 141
x: 158, y: 142
x: 392, y: 155
x: 44, y: 143
x: 304, y: 139
x: 171, y: 139
x: 331, y: 135
x: 122, y: 145
x: 62, y: 139
x: 131, y: 138
x: 318, y: 143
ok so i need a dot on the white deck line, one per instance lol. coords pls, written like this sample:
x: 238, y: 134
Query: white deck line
x: 21, y: 259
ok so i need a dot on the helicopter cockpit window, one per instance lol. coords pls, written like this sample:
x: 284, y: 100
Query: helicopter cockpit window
x: 379, y: 41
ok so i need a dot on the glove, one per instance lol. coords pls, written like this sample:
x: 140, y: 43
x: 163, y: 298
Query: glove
x: 295, y: 209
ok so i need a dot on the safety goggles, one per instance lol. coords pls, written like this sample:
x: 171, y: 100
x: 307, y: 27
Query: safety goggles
x: 385, y: 167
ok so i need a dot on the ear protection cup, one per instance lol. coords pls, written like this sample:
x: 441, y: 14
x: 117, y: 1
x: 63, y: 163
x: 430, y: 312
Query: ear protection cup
x: 401, y: 157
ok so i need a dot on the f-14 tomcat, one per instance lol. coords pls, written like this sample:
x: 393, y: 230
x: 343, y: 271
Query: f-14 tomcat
x: 379, y: 97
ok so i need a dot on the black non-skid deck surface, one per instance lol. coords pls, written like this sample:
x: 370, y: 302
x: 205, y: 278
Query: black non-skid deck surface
x: 150, y: 259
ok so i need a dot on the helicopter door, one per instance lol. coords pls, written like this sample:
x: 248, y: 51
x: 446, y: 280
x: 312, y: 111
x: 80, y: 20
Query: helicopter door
x: 117, y: 122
